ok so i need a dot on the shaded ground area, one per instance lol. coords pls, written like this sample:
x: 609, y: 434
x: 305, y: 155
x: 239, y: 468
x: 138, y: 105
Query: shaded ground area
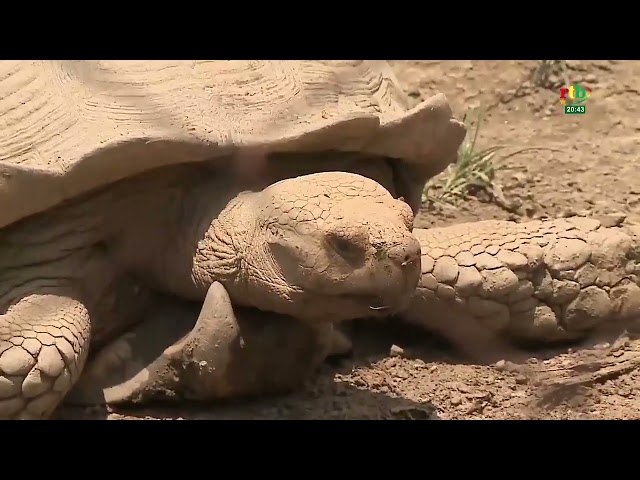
x: 593, y: 170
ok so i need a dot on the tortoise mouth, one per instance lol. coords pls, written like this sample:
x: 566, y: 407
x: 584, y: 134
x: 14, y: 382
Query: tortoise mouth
x: 379, y: 305
x: 375, y: 303
x: 343, y: 307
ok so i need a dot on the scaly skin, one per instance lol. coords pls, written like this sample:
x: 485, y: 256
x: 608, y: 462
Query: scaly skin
x: 323, y: 247
x: 541, y: 281
x: 544, y: 281
x: 42, y: 351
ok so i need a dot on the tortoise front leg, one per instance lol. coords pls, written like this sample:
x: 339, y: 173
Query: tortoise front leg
x: 227, y: 354
x: 543, y: 281
x: 44, y: 340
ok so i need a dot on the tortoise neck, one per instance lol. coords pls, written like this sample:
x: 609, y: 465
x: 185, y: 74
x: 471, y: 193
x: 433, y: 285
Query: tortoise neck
x: 186, y: 230
x: 222, y: 245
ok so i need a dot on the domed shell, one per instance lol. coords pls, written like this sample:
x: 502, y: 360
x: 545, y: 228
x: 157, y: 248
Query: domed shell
x: 72, y: 126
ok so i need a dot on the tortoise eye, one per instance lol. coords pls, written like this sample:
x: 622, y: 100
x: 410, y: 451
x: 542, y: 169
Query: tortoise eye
x: 345, y: 247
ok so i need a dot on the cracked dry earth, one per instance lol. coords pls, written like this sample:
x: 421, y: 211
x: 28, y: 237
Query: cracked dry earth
x: 593, y: 170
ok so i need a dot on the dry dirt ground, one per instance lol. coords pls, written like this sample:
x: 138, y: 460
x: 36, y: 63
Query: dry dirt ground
x: 594, y: 170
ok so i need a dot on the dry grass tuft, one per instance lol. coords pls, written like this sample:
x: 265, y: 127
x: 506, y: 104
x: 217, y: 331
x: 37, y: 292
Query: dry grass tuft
x: 474, y: 171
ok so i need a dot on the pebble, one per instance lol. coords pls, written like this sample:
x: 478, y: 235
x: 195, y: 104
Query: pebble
x: 463, y: 388
x: 620, y: 343
x: 521, y: 379
x: 391, y: 362
x: 624, y: 392
x: 418, y: 363
x: 611, y: 220
x: 475, y: 407
x: 396, y: 351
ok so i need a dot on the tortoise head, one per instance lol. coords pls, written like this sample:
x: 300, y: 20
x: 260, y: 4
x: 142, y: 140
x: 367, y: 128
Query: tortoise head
x: 323, y: 247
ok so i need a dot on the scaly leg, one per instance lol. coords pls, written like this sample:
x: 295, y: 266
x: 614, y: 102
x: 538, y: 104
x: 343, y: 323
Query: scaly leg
x: 543, y: 281
x: 225, y: 355
x: 44, y: 339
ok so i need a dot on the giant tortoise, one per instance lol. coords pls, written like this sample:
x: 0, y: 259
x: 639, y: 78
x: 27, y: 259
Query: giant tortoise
x: 279, y: 195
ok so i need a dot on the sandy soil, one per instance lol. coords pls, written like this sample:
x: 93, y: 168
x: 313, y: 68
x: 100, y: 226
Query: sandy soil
x: 404, y: 374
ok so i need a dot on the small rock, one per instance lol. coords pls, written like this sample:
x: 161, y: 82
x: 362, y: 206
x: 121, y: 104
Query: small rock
x: 463, y: 388
x: 475, y: 407
x: 484, y: 396
x: 519, y: 179
x: 396, y: 351
x: 621, y: 343
x: 456, y: 400
x: 506, y: 366
x: 591, y: 78
x: 612, y: 220
x: 391, y: 362
x: 508, y: 96
x: 624, y: 392
x: 521, y: 379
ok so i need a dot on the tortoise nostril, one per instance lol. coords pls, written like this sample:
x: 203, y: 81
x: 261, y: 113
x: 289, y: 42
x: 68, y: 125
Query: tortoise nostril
x: 406, y: 255
x: 409, y: 258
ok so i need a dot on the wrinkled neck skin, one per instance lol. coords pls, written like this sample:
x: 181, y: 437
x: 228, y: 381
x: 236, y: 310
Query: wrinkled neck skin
x: 221, y: 244
x: 190, y: 233
x: 234, y: 252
